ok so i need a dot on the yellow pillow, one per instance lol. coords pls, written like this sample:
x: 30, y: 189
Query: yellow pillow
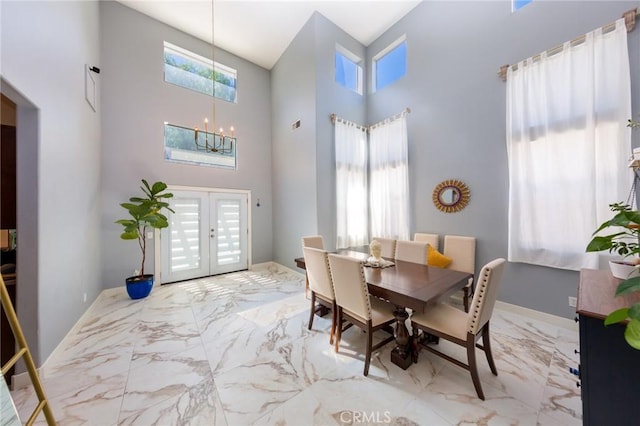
x: 435, y: 258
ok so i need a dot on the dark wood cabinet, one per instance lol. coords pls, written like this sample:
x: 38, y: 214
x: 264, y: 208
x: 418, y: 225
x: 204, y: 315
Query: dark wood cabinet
x: 609, y: 367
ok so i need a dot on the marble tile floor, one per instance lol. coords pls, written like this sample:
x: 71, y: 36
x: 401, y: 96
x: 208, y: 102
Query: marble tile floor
x: 235, y: 350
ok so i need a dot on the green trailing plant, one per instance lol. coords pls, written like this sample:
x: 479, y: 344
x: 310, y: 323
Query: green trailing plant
x: 626, y: 242
x: 145, y: 212
x: 631, y: 313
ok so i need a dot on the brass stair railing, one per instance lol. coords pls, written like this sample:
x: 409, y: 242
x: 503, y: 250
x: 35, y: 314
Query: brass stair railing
x: 23, y: 351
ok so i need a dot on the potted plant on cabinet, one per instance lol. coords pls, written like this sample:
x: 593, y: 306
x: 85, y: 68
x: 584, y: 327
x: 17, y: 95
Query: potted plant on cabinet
x: 145, y: 213
x: 625, y: 242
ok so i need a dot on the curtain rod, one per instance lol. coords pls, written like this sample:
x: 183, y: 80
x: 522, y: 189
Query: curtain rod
x: 335, y: 118
x: 393, y: 117
x: 629, y: 20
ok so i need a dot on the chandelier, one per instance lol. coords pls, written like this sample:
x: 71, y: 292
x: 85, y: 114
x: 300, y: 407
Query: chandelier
x: 217, y: 142
x: 220, y: 142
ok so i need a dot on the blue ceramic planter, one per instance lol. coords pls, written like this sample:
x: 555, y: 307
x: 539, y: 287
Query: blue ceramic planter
x: 139, y: 287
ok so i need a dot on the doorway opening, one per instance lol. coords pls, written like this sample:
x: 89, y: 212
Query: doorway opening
x: 8, y: 226
x: 19, y: 210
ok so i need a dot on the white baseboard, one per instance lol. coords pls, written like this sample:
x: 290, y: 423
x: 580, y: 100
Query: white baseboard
x: 262, y: 266
x: 20, y: 380
x: 287, y: 269
x: 274, y: 265
x: 542, y: 316
x: 42, y: 370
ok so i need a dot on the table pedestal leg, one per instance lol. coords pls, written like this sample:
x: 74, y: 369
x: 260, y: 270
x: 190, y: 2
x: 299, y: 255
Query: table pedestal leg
x: 322, y: 310
x: 401, y: 354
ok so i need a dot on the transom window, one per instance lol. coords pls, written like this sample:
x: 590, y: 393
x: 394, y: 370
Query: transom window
x: 180, y: 146
x: 517, y: 4
x: 347, y: 69
x: 390, y: 64
x: 192, y: 71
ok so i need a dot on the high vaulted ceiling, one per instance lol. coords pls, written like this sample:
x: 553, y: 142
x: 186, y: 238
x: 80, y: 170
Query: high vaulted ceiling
x: 261, y: 30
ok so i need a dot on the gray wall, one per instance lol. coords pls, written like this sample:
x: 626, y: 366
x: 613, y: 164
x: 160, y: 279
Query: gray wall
x: 136, y: 102
x: 457, y: 124
x: 295, y: 209
x: 45, y: 46
x: 332, y: 98
x: 304, y: 87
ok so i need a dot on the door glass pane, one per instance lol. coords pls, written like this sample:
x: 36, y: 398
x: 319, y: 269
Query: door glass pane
x: 185, y: 235
x: 229, y: 250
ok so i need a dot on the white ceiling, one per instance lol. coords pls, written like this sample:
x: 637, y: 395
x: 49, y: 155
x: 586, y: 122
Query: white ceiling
x: 261, y: 30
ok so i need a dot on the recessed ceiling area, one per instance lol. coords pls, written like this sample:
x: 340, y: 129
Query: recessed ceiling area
x: 260, y: 30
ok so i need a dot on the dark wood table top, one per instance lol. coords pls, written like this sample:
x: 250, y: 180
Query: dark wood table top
x: 407, y: 284
x: 597, y: 294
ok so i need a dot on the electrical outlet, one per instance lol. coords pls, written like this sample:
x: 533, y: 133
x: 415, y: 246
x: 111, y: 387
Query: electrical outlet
x: 572, y: 301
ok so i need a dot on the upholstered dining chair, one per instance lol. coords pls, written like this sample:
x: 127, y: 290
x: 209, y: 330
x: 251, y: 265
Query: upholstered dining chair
x: 355, y: 304
x: 432, y: 239
x: 319, y: 276
x: 465, y: 329
x: 411, y: 251
x: 462, y: 252
x: 315, y: 241
x: 388, y: 247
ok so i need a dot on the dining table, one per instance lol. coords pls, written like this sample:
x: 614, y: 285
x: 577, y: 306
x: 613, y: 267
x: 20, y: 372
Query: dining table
x: 406, y: 285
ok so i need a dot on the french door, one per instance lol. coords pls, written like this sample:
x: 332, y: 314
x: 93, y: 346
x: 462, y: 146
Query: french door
x: 207, y: 235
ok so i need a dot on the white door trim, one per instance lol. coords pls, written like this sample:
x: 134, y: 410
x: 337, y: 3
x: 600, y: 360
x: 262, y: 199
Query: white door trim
x: 157, y: 260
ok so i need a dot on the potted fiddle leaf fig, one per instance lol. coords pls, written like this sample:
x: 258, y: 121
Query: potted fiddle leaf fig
x: 144, y: 213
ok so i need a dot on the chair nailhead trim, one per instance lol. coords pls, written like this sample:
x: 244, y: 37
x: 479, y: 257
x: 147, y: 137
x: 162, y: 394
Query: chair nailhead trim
x: 482, y: 288
x: 363, y: 281
x: 326, y: 261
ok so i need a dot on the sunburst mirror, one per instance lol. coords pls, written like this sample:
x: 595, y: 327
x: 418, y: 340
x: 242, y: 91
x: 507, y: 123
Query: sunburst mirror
x: 451, y: 196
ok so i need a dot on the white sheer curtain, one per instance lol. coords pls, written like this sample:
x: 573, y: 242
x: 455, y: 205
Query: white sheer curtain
x: 351, y: 185
x: 389, y: 186
x: 568, y: 147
